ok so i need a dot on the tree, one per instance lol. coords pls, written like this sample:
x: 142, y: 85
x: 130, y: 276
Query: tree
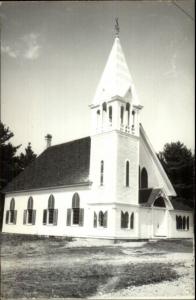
x: 178, y: 162
x: 10, y: 163
x: 26, y: 158
x: 9, y: 166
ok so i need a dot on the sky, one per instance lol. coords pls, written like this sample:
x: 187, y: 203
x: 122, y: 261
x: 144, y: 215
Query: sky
x: 53, y: 55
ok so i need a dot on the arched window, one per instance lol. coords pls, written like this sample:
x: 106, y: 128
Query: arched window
x: 110, y: 114
x: 180, y: 222
x: 102, y: 172
x: 12, y: 204
x: 51, y: 209
x: 11, y: 214
x: 76, y: 208
x: 101, y: 218
x: 29, y: 213
x: 12, y: 207
x: 75, y: 215
x: 76, y: 201
x: 124, y: 219
x: 184, y: 223
x: 51, y: 202
x: 159, y: 202
x: 30, y: 210
x: 50, y: 215
x: 30, y: 203
x: 132, y: 221
x: 187, y: 223
x: 144, y: 179
x: 127, y: 173
x: 121, y: 115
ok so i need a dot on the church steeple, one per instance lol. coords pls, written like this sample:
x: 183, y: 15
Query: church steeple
x: 116, y: 79
x: 115, y: 101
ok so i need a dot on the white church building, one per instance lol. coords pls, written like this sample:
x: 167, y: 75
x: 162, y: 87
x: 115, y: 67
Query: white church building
x: 109, y: 185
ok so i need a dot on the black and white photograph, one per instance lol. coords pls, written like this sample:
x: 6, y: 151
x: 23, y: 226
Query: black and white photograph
x: 97, y: 149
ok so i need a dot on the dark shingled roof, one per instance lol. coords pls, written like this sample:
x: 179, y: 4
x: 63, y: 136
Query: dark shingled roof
x: 179, y: 205
x: 60, y: 165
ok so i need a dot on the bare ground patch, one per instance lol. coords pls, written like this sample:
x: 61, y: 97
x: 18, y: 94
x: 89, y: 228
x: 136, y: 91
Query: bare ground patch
x: 34, y: 267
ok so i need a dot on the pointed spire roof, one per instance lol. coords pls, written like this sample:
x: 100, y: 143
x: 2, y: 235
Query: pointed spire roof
x: 116, y: 79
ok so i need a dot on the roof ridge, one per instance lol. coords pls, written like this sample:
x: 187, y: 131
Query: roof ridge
x: 69, y: 142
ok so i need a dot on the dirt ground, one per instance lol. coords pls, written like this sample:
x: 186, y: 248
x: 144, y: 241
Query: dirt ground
x: 33, y: 267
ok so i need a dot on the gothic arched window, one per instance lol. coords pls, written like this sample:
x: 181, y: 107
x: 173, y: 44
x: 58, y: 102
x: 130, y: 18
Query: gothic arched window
x: 76, y: 208
x: 124, y: 219
x: 51, y: 202
x: 30, y: 211
x: 12, y: 204
x: 127, y: 173
x: 180, y: 222
x: 101, y: 218
x: 51, y: 209
x: 144, y: 178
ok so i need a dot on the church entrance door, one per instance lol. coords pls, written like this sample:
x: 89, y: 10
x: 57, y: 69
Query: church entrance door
x: 159, y: 222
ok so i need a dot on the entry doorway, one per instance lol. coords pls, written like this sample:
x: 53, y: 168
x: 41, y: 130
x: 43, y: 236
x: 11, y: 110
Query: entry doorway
x: 159, y: 222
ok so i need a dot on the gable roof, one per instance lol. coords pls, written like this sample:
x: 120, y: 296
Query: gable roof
x: 59, y: 165
x: 116, y: 79
x: 165, y: 182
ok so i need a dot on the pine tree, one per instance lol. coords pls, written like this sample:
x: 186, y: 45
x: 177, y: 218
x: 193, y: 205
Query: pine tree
x: 26, y: 158
x: 9, y: 165
x: 178, y: 162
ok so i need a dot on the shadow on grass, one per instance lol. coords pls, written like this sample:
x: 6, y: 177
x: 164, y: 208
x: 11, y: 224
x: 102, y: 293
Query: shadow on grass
x: 81, y: 281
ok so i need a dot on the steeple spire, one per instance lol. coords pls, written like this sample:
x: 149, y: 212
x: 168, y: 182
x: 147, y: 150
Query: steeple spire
x: 117, y: 27
x: 116, y: 79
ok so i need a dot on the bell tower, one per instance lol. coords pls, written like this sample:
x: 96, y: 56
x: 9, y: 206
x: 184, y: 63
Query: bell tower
x: 115, y: 130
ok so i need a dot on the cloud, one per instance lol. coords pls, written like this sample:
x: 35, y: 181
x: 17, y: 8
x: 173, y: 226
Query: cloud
x: 9, y: 51
x: 26, y: 47
x: 32, y: 46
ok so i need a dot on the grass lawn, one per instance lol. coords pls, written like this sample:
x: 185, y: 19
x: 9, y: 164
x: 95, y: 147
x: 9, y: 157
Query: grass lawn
x: 47, y: 267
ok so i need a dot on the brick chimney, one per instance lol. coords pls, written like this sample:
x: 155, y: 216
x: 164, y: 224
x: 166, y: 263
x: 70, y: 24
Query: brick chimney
x: 48, y: 139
